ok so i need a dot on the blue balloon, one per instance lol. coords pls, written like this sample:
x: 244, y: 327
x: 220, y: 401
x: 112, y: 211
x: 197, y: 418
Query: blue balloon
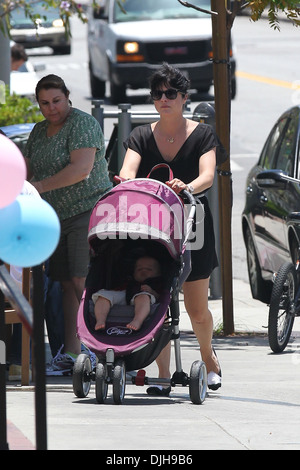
x: 29, y: 231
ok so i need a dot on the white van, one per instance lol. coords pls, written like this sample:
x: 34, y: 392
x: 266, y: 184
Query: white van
x: 126, y: 44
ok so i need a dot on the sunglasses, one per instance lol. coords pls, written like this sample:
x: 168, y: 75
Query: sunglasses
x: 170, y: 94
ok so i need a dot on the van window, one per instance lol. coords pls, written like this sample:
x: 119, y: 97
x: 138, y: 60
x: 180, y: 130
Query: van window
x: 143, y: 10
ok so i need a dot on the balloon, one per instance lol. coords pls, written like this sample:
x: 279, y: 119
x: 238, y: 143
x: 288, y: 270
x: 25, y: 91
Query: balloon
x: 29, y: 231
x: 12, y: 171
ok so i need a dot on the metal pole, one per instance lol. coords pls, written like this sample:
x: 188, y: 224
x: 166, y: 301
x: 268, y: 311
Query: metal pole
x: 215, y: 283
x: 3, y: 425
x: 124, y: 129
x: 98, y: 112
x: 39, y: 358
x: 5, y: 57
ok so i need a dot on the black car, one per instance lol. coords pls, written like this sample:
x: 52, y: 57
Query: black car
x: 271, y: 217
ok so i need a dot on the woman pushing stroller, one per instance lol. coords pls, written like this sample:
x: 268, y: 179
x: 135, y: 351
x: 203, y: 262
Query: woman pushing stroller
x: 189, y: 148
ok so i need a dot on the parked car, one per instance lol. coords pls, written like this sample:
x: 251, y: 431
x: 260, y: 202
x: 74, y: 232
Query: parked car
x: 271, y: 217
x: 125, y: 45
x: 49, y: 29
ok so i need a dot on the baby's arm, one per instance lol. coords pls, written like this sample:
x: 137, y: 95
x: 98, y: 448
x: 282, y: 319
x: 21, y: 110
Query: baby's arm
x: 146, y: 288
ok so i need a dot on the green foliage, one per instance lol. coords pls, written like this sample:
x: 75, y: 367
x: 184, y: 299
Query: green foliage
x: 18, y: 110
x: 290, y: 8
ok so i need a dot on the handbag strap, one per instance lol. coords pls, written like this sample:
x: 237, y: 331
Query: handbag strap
x: 162, y: 165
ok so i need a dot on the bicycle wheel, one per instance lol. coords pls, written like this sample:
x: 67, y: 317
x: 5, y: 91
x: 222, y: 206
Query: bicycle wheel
x: 282, y: 311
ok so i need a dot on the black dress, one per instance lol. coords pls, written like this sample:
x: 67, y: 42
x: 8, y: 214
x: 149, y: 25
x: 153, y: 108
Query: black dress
x: 185, y: 166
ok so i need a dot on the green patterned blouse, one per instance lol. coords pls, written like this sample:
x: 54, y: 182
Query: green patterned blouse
x: 49, y: 155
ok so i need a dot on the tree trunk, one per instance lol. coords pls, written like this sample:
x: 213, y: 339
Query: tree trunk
x: 222, y: 89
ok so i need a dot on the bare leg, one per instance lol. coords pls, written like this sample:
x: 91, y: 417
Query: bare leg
x: 163, y: 362
x: 196, y: 303
x: 102, y: 307
x: 141, y: 311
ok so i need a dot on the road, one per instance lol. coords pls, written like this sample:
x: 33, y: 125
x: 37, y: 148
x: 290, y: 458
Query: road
x: 268, y: 71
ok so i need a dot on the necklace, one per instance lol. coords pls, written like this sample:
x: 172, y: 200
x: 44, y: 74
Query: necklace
x: 171, y: 140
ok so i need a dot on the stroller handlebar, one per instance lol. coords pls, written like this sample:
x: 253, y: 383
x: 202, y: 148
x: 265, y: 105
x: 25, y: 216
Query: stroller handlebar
x: 118, y: 179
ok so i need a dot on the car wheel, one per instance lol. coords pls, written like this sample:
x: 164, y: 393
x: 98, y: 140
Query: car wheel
x: 233, y: 88
x: 97, y: 85
x: 62, y: 50
x: 260, y: 289
x: 117, y: 93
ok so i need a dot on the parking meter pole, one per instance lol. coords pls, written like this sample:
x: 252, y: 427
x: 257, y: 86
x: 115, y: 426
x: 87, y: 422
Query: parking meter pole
x: 124, y: 129
x: 98, y: 112
x: 215, y: 283
x: 205, y: 112
x: 221, y: 68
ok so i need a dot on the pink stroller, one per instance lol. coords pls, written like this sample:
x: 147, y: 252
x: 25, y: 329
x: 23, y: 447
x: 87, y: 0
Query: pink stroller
x: 136, y: 216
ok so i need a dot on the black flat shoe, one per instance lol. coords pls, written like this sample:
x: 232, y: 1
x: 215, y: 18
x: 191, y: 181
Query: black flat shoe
x: 158, y: 392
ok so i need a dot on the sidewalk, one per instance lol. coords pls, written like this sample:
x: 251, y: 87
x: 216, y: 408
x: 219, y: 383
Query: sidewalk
x: 258, y: 406
x: 249, y: 315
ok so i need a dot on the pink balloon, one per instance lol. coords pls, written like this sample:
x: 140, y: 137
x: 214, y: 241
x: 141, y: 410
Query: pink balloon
x: 12, y: 171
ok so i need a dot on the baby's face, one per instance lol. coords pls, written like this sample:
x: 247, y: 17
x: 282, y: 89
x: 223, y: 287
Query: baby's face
x: 146, y: 267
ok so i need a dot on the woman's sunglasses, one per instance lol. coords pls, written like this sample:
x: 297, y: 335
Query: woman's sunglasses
x: 170, y: 94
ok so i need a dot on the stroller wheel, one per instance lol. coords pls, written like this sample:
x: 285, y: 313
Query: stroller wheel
x: 82, y: 376
x: 101, y: 384
x: 119, y: 381
x: 198, y: 382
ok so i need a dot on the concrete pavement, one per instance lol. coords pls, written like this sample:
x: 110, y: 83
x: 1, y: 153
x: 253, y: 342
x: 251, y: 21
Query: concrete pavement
x: 258, y: 406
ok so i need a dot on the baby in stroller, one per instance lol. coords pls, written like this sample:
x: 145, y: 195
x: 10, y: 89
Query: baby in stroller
x: 142, y: 291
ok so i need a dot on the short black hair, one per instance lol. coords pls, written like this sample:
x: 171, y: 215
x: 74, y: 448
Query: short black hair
x: 170, y: 77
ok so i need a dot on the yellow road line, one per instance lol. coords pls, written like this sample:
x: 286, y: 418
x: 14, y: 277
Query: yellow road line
x: 270, y: 81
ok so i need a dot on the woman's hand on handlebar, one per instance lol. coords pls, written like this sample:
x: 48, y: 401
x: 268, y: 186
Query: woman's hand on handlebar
x: 177, y: 185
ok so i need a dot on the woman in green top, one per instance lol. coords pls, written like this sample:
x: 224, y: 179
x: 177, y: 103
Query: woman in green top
x: 65, y: 157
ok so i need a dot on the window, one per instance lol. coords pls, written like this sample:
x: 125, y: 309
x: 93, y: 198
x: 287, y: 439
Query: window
x: 137, y: 10
x: 268, y: 157
x: 286, y: 152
